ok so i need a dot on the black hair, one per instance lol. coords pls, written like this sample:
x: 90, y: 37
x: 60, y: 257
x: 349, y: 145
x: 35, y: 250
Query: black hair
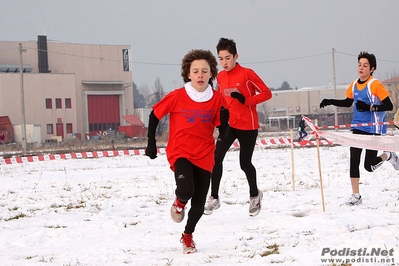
x: 227, y: 44
x: 370, y: 57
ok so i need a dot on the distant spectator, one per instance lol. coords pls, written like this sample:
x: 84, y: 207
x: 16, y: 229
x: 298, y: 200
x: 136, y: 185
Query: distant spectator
x: 301, y: 129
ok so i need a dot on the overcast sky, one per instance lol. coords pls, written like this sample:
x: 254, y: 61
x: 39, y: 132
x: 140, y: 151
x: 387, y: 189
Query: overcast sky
x: 281, y: 40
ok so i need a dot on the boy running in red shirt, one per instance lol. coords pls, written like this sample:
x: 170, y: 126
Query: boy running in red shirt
x: 195, y: 110
x: 242, y: 89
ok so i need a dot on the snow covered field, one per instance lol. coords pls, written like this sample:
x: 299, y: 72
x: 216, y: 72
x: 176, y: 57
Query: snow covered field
x: 115, y: 211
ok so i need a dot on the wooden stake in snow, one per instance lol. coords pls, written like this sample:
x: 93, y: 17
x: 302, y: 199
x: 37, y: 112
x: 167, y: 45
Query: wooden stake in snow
x: 292, y: 161
x: 321, y: 179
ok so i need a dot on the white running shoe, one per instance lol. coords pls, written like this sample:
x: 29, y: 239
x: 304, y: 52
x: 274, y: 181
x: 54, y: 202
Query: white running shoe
x: 188, y: 243
x: 210, y: 205
x: 354, y: 200
x: 393, y: 159
x: 177, y: 211
x: 255, y: 204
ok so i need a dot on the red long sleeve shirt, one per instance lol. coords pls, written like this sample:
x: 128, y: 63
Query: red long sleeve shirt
x: 251, y: 86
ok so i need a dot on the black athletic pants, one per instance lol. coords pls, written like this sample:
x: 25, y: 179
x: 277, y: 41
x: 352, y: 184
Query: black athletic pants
x: 192, y: 183
x: 371, y: 160
x: 247, y: 140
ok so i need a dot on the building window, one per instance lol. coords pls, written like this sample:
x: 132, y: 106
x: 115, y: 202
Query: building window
x: 290, y: 110
x: 49, y: 128
x: 69, y: 128
x: 58, y: 103
x: 49, y: 103
x: 298, y: 109
x: 68, y: 103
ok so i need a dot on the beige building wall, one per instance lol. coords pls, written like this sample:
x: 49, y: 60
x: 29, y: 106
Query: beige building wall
x: 298, y: 102
x: 286, y: 107
x: 36, y: 90
x: 75, y: 71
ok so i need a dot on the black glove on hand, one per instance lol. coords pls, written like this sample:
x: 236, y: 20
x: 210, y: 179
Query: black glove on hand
x: 151, y: 150
x: 224, y: 127
x: 238, y: 96
x: 224, y: 115
x: 326, y: 102
x: 362, y: 106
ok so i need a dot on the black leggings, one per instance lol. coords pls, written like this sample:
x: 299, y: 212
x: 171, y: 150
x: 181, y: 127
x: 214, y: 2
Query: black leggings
x: 192, y: 183
x: 371, y: 160
x: 247, y: 140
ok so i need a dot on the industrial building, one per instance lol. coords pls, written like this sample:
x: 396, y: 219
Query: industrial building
x: 66, y: 90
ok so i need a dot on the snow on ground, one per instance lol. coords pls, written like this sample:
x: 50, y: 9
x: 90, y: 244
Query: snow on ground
x: 115, y: 211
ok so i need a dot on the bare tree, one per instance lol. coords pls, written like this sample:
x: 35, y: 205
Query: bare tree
x: 145, y: 91
x: 138, y: 98
x: 262, y: 108
x: 157, y: 95
x: 158, y: 90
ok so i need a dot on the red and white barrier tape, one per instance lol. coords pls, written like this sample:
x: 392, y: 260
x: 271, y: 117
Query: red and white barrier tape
x: 263, y: 143
x: 360, y: 125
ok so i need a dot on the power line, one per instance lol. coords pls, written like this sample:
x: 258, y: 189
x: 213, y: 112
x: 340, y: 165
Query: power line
x: 384, y: 60
x: 150, y: 63
x: 178, y: 64
x: 175, y: 64
x: 102, y: 58
x: 8, y: 50
x: 78, y: 56
x: 286, y: 59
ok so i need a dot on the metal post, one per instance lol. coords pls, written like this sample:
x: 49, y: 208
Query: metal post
x: 335, y: 87
x: 22, y: 96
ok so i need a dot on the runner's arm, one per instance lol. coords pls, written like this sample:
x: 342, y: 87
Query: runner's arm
x: 340, y: 103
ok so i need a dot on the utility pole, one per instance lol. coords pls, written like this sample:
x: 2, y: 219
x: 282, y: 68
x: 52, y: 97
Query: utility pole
x: 22, y: 96
x: 335, y: 88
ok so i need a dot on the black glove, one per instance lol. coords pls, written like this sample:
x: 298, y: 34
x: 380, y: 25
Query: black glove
x: 326, y: 102
x: 151, y: 150
x: 224, y: 115
x: 362, y: 106
x: 238, y: 96
x: 224, y: 127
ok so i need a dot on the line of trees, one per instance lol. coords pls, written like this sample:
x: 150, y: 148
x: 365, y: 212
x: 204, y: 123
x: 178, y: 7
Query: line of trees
x: 144, y: 97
